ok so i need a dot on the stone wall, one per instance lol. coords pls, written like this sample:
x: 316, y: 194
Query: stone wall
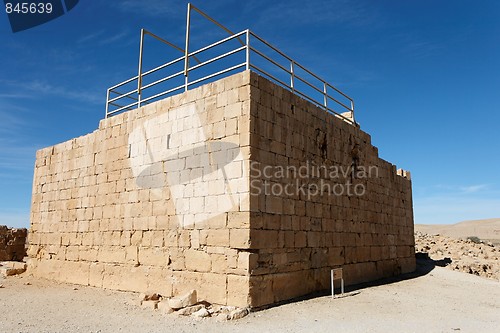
x: 154, y: 200
x: 169, y: 198
x: 12, y: 244
x: 321, y: 198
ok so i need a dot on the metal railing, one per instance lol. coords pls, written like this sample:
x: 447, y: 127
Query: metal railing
x: 243, y: 50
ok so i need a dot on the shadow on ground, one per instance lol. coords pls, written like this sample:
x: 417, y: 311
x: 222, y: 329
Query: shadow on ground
x: 424, y: 266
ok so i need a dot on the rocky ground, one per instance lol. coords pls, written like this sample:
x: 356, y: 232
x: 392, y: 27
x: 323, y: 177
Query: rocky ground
x: 440, y: 300
x: 465, y: 255
x: 433, y: 299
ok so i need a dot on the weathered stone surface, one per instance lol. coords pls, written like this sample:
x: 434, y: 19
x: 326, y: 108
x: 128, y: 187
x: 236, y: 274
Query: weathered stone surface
x: 9, y: 268
x: 238, y: 314
x: 172, y: 196
x: 189, y: 310
x: 201, y: 313
x: 164, y: 308
x: 183, y: 301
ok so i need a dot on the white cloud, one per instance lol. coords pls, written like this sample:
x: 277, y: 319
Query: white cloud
x: 90, y: 37
x: 474, y: 188
x: 48, y: 89
x: 114, y: 38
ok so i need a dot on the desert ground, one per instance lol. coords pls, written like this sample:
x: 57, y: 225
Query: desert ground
x: 456, y: 288
x: 433, y: 299
x: 487, y: 230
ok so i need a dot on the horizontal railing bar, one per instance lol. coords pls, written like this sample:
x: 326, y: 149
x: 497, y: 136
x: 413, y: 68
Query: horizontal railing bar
x: 310, y: 85
x: 340, y: 92
x: 216, y: 74
x: 214, y: 21
x: 258, y: 51
x: 122, y: 108
x: 272, y: 47
x: 122, y: 95
x: 162, y: 66
x: 124, y: 82
x: 321, y: 105
x: 136, y: 99
x: 114, y: 104
x: 162, y: 93
x: 216, y: 43
x: 310, y: 73
x: 296, y: 63
x: 241, y: 48
x: 167, y: 42
x: 323, y: 93
x: 271, y: 76
x: 339, y: 102
x: 162, y: 80
x: 270, y: 60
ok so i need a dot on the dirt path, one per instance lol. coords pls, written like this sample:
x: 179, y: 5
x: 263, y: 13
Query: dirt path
x: 440, y: 301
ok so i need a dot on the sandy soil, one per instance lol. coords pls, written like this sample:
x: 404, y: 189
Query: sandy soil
x: 488, y: 230
x: 439, y: 300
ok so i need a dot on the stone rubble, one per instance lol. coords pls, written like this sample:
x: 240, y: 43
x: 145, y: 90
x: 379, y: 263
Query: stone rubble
x: 183, y: 301
x: 469, y: 256
x: 188, y: 305
x: 12, y: 243
x: 9, y: 268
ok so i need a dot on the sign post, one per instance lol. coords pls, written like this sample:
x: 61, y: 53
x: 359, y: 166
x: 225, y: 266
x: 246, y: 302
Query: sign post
x: 336, y: 274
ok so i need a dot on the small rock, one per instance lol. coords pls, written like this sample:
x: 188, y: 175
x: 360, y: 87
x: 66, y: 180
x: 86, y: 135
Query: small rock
x: 164, y: 308
x: 189, y: 310
x: 27, y: 283
x: 1, y: 286
x: 238, y: 314
x: 201, y: 313
x: 183, y: 301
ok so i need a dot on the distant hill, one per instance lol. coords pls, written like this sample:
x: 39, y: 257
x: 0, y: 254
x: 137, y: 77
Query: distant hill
x: 488, y: 230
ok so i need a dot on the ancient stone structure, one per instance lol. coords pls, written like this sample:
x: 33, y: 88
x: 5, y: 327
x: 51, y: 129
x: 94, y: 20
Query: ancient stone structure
x: 12, y: 244
x: 238, y: 189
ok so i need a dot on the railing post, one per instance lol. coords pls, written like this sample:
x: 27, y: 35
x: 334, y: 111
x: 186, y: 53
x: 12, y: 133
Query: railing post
x: 248, y: 50
x: 292, y: 76
x: 107, y: 103
x: 325, y: 96
x: 139, y: 75
x: 186, y: 50
x: 352, y: 111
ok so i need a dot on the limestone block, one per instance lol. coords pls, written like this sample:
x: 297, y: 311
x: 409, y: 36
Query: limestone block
x: 219, y: 237
x: 153, y: 256
x: 197, y: 261
x: 239, y: 238
x: 238, y: 220
x: 238, y: 290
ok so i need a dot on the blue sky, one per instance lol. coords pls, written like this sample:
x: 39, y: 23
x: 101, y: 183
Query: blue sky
x: 424, y: 75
